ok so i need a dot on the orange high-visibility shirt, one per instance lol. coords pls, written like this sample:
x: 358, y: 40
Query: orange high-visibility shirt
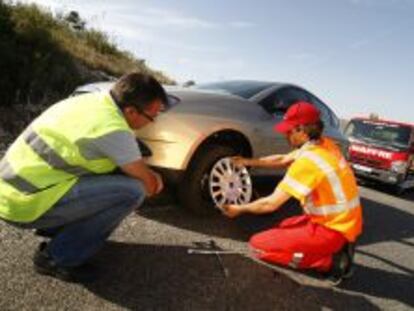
x: 321, y: 179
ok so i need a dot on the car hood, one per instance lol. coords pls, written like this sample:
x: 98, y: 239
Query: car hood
x: 215, y: 104
x: 202, y: 113
x: 194, y: 104
x: 197, y: 96
x: 195, y: 101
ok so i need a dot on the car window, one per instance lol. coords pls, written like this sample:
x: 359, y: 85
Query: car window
x: 278, y: 102
x: 327, y: 115
x: 335, y: 120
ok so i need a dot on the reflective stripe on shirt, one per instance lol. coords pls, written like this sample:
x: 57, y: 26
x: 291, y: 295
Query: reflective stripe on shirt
x: 302, y: 189
x: 325, y: 210
x: 330, y: 173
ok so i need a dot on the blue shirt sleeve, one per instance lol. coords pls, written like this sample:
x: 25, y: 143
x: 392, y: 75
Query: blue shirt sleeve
x: 121, y: 147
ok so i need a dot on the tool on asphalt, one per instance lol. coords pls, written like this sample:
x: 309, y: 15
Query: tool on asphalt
x: 213, y: 252
x: 223, y: 268
x: 210, y: 248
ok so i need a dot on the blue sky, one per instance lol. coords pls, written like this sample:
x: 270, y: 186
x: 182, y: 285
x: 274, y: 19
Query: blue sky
x: 356, y: 55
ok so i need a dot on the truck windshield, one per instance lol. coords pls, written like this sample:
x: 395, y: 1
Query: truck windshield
x: 386, y: 134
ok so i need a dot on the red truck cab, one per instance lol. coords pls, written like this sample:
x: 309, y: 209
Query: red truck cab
x: 382, y: 150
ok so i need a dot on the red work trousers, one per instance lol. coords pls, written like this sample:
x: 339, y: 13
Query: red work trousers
x: 298, y: 243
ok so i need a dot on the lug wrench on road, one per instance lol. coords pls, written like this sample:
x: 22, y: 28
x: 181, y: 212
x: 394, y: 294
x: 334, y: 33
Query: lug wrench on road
x: 211, y: 248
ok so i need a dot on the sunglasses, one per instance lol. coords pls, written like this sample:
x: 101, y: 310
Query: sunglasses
x: 295, y: 130
x: 146, y: 115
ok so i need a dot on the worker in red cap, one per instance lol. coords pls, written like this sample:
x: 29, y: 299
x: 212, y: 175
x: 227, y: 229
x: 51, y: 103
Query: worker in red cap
x: 320, y: 178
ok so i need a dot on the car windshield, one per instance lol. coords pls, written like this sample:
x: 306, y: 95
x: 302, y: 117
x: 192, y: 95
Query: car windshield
x: 386, y: 134
x: 245, y: 89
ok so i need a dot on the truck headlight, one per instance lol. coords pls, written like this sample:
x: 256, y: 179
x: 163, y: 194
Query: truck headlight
x: 399, y: 167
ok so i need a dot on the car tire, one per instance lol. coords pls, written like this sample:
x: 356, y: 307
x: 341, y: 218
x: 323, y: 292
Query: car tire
x: 193, y: 191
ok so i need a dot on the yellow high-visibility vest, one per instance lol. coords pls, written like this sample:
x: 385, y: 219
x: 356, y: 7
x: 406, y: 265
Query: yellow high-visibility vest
x: 321, y: 179
x: 45, y: 161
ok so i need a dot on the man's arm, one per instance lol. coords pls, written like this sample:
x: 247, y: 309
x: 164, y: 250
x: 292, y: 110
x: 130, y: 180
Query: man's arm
x: 261, y: 206
x: 139, y: 170
x: 122, y: 148
x: 272, y: 161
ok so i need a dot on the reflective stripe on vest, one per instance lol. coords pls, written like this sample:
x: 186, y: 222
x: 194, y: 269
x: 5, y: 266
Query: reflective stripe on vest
x: 342, y: 205
x: 325, y: 210
x: 47, y: 154
x: 330, y: 173
x: 301, y: 188
x: 50, y: 156
x: 8, y: 174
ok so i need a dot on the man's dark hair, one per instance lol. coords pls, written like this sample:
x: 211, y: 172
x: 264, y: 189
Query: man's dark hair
x: 314, y: 130
x: 137, y: 90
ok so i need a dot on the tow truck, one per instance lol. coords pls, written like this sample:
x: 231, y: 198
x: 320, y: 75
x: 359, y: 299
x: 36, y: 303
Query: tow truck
x: 382, y: 150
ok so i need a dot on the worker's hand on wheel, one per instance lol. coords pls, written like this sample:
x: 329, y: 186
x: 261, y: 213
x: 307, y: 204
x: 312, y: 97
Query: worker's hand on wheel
x: 238, y: 161
x: 231, y: 210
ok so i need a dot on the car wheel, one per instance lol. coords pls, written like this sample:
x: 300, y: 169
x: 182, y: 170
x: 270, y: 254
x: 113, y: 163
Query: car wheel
x: 212, y: 180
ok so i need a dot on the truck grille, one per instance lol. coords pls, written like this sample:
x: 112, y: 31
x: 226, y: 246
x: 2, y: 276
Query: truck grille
x: 369, y: 162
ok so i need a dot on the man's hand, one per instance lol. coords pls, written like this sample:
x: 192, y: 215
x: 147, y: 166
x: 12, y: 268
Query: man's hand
x: 231, y: 210
x: 239, y: 161
x: 160, y: 183
x: 139, y: 170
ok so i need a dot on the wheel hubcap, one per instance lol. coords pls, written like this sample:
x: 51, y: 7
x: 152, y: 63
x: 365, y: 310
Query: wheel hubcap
x: 229, y: 184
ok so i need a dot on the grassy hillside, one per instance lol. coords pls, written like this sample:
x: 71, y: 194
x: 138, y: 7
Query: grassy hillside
x: 44, y: 57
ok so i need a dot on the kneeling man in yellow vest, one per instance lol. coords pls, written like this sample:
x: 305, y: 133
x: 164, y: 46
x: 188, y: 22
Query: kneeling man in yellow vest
x: 58, y: 176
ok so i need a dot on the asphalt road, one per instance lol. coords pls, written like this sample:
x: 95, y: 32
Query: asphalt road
x: 146, y: 266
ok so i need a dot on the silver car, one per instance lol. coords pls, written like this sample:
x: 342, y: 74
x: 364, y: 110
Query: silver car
x: 202, y: 126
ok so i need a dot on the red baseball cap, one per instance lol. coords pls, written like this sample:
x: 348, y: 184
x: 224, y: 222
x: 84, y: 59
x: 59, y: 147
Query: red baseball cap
x: 300, y: 113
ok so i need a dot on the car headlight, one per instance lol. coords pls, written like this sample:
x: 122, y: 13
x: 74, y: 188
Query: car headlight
x: 399, y: 166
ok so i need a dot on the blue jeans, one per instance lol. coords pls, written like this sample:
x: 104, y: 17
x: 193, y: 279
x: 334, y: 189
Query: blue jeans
x: 88, y: 214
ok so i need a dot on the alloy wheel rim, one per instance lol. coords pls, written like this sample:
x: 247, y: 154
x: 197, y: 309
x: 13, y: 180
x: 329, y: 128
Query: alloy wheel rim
x: 229, y: 184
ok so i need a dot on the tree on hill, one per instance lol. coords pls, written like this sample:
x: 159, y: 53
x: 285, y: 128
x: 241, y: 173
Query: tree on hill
x: 75, y: 21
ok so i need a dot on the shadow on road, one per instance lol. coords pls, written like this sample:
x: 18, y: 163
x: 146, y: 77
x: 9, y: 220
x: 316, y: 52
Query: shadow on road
x: 383, y: 222
x: 387, y: 189
x: 149, y: 277
x: 382, y: 284
x: 216, y: 224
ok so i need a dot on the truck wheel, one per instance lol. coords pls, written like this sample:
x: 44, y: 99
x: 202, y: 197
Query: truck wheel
x: 212, y: 180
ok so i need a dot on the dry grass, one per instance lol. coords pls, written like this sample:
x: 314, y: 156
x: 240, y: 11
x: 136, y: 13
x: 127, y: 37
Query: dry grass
x: 43, y: 59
